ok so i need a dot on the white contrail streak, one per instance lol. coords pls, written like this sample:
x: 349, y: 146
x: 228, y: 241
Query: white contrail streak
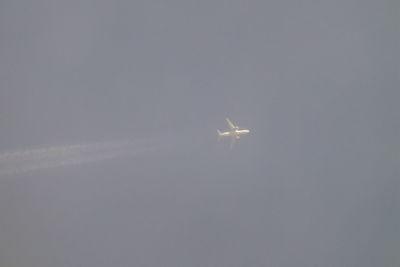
x: 27, y: 160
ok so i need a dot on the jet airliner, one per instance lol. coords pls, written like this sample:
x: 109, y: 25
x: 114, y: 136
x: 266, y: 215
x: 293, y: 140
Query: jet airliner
x: 234, y: 132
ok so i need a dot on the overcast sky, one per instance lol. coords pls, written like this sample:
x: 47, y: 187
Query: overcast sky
x: 109, y: 154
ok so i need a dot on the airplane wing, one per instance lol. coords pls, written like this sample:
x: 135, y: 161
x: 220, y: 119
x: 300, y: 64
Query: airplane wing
x: 231, y: 125
x: 233, y: 140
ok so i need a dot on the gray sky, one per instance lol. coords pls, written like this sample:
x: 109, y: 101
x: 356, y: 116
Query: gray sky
x: 316, y: 183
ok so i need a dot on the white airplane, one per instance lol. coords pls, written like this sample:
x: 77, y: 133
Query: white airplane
x: 234, y: 132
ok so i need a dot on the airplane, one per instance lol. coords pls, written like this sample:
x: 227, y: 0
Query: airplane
x: 234, y: 132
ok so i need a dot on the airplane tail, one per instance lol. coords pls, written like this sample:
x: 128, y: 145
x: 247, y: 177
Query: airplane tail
x: 219, y: 134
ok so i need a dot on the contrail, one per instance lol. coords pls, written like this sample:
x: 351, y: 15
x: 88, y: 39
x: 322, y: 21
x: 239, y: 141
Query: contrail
x: 27, y: 160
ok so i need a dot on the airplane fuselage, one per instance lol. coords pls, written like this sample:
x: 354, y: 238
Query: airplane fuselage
x: 234, y: 133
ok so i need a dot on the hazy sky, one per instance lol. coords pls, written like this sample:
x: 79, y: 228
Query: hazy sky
x: 108, y: 148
